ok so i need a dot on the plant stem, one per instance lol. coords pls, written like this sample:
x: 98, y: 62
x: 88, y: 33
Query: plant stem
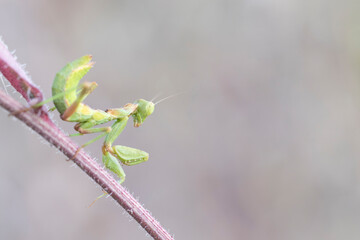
x: 39, y: 121
x: 57, y: 138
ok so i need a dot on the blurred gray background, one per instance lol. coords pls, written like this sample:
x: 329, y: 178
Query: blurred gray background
x: 263, y: 142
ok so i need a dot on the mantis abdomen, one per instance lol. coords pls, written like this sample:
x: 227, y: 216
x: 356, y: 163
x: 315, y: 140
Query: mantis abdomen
x: 66, y: 81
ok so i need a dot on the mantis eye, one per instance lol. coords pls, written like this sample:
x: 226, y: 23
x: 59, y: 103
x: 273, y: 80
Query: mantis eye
x: 150, y: 108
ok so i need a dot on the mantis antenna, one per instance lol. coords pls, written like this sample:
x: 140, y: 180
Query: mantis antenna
x: 156, y: 96
x: 171, y: 96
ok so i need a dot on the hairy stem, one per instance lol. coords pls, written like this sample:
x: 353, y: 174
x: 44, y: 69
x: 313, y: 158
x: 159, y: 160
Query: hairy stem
x: 57, y: 138
x: 40, y: 122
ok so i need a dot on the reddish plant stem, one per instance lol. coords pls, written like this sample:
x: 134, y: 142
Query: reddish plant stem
x: 40, y: 122
x: 57, y: 138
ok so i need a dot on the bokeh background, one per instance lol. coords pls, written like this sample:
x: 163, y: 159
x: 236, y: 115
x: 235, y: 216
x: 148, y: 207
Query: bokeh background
x: 262, y: 142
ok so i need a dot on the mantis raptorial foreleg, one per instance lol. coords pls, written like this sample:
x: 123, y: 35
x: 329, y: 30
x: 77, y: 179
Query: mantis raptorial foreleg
x: 113, y: 165
x: 116, y: 129
x: 125, y: 154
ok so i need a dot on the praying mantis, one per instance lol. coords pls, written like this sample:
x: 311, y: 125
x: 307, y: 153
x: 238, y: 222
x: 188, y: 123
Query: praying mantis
x: 68, y: 98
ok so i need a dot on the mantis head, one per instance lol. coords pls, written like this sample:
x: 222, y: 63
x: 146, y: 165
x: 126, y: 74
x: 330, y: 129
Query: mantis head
x: 144, y: 109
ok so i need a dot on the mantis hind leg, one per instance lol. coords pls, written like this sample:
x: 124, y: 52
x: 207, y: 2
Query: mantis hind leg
x: 85, y: 90
x: 87, y: 128
x: 87, y: 143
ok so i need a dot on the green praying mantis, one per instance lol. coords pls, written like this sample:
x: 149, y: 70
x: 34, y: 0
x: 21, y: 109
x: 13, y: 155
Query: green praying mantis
x: 68, y: 97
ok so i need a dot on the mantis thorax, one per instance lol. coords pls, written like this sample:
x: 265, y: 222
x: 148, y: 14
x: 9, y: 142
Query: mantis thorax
x: 139, y: 110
